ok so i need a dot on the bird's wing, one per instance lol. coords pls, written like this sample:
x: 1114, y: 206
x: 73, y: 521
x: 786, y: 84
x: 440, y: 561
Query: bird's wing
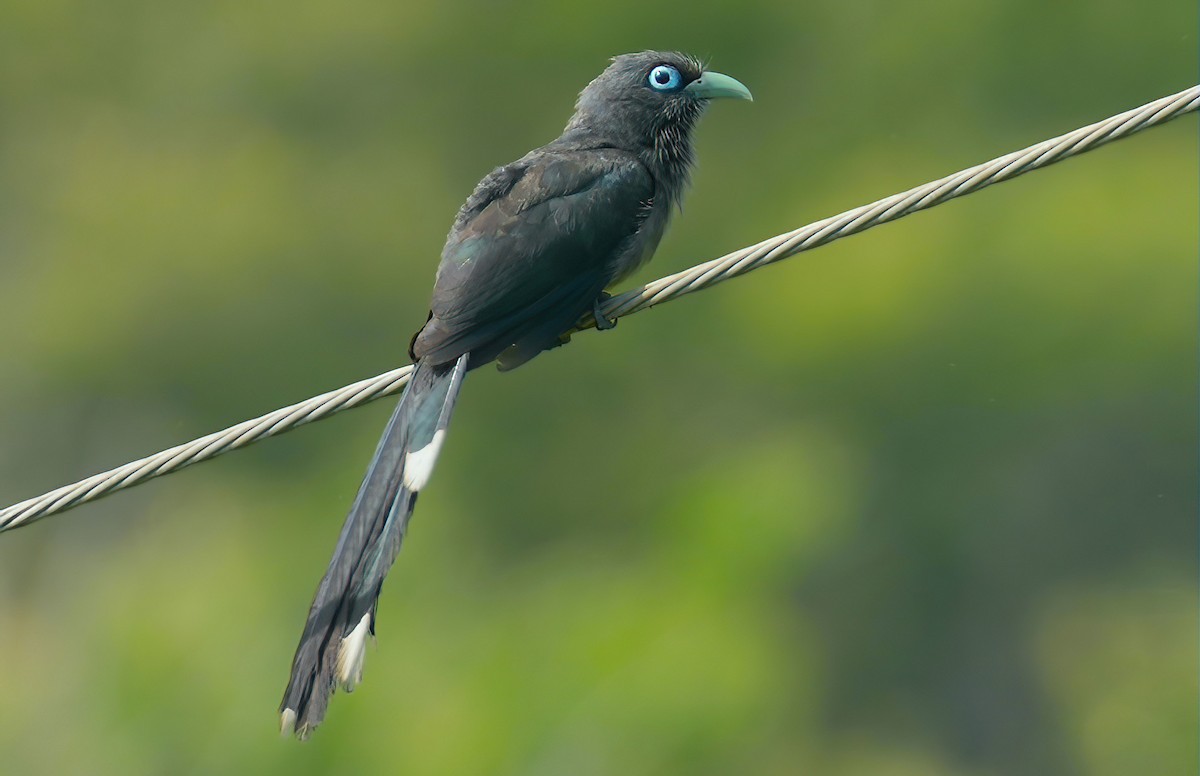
x: 535, y: 244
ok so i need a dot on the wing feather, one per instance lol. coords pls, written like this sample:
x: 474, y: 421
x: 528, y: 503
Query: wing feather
x: 536, y: 242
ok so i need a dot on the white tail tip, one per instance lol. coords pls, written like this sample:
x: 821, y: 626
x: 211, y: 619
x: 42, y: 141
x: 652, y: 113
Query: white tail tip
x: 351, y: 652
x: 418, y: 464
x: 287, y: 722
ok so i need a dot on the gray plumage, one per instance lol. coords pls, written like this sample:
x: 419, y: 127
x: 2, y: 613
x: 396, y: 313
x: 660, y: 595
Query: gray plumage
x: 530, y: 252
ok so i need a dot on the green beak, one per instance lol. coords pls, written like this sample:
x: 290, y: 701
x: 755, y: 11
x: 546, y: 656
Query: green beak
x: 710, y: 86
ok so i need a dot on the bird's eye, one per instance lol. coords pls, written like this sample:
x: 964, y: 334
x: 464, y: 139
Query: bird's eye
x: 664, y: 78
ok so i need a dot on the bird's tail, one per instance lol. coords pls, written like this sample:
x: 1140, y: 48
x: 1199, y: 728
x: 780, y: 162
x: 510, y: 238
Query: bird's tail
x: 331, y: 649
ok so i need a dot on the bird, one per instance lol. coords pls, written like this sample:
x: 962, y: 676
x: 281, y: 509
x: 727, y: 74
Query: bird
x: 530, y: 253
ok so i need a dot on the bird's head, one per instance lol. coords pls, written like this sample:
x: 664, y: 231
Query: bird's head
x: 650, y: 101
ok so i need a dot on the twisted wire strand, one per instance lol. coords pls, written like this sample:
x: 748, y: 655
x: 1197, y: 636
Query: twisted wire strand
x: 656, y: 292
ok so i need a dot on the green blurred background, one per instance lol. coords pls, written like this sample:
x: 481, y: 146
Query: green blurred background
x: 922, y: 502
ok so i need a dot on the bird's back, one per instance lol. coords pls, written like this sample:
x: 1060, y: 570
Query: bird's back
x: 533, y: 247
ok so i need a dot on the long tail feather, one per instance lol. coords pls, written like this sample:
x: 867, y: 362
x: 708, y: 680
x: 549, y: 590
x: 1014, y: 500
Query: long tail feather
x: 342, y: 615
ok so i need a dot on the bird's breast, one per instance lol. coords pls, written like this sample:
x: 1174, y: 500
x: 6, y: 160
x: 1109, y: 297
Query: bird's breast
x: 643, y: 243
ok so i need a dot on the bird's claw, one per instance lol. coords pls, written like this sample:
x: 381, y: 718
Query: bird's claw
x: 603, y: 323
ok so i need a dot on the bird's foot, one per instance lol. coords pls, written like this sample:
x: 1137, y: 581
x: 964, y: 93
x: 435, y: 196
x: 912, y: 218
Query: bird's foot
x: 602, y: 323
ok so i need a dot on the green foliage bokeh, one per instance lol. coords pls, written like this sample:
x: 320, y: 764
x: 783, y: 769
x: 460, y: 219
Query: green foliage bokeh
x: 922, y: 502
